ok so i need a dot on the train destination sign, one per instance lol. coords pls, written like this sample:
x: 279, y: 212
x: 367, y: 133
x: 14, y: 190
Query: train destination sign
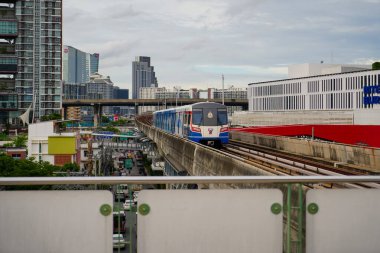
x: 371, y: 95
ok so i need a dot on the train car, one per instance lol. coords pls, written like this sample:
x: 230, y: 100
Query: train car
x: 204, y: 122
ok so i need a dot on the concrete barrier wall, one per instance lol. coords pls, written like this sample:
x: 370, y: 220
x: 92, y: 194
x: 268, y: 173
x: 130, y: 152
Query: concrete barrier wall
x: 197, y: 160
x: 366, y: 158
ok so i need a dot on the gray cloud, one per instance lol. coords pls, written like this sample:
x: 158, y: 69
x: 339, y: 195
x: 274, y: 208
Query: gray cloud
x: 192, y: 41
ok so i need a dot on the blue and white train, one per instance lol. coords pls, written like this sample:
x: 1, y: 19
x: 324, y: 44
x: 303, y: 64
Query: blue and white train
x: 204, y: 122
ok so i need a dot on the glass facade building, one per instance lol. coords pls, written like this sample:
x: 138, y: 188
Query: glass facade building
x: 94, y: 63
x: 143, y: 75
x: 74, y: 91
x: 78, y: 66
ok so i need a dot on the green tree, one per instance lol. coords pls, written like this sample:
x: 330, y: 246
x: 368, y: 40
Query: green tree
x: 73, y: 167
x: 109, y: 128
x: 25, y: 168
x: 20, y: 141
x: 4, y: 137
x: 7, y: 165
x: 120, y: 122
x: 376, y: 65
x: 112, y: 129
x: 54, y: 116
x: 105, y: 119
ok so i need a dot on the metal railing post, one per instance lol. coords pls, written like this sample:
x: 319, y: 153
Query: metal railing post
x: 130, y: 222
x: 288, y: 218
x: 300, y: 218
x: 118, y: 217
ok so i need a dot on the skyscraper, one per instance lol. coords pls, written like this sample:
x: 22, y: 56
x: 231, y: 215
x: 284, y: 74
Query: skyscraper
x: 94, y: 63
x: 78, y: 66
x: 30, y: 58
x: 143, y: 75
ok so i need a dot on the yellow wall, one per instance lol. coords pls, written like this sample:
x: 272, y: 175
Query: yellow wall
x: 61, y: 145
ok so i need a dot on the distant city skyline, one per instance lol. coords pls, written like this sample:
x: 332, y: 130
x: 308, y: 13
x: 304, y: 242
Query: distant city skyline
x: 194, y: 42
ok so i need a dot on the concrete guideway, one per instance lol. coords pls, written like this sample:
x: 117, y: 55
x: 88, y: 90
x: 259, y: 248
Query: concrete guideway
x: 198, y: 160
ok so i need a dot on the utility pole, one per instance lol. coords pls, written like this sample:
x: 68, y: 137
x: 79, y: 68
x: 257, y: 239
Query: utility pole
x: 177, y: 89
x: 90, y: 161
x: 222, y: 89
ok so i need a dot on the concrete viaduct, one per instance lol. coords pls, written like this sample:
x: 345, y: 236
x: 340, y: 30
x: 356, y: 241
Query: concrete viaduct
x: 199, y: 160
x: 195, y: 159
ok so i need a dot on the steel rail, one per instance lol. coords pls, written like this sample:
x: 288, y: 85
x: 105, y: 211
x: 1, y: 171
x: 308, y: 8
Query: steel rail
x: 296, y: 166
x: 266, y: 151
x: 186, y: 180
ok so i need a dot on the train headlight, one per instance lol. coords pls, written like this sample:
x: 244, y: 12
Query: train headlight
x: 224, y: 129
x: 196, y: 129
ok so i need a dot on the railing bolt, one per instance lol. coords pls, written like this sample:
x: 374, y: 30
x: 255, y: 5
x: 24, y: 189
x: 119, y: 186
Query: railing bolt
x: 312, y: 208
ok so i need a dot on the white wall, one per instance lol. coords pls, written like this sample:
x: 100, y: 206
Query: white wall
x: 55, y: 221
x: 307, y: 69
x: 367, y: 117
x: 203, y: 94
x: 342, y: 91
x: 41, y: 129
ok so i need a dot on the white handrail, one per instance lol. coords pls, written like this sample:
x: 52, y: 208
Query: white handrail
x: 186, y: 180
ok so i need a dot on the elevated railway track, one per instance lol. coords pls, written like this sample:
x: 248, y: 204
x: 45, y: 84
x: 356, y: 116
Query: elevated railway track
x: 281, y: 163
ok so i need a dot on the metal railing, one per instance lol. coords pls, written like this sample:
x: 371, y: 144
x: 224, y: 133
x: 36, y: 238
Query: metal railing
x: 188, y: 180
x: 292, y: 187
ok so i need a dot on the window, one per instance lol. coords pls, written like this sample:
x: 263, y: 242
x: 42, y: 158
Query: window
x: 222, y: 117
x: 16, y: 156
x: 197, y: 117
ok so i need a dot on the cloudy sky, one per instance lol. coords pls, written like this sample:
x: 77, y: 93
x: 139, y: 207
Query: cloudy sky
x: 193, y: 42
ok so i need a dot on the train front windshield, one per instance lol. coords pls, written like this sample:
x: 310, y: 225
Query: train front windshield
x: 210, y: 117
x: 197, y: 117
x: 222, y: 117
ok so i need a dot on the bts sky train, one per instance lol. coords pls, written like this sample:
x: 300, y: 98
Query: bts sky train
x: 204, y: 122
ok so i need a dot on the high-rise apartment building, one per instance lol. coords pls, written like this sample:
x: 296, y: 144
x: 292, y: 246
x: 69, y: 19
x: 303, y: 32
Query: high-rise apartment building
x: 30, y: 58
x: 78, y: 66
x: 143, y: 75
x: 100, y: 87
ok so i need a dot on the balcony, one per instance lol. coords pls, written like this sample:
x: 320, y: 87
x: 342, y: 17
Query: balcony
x: 284, y: 215
x: 7, y: 49
x: 7, y: 85
x: 7, y: 13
